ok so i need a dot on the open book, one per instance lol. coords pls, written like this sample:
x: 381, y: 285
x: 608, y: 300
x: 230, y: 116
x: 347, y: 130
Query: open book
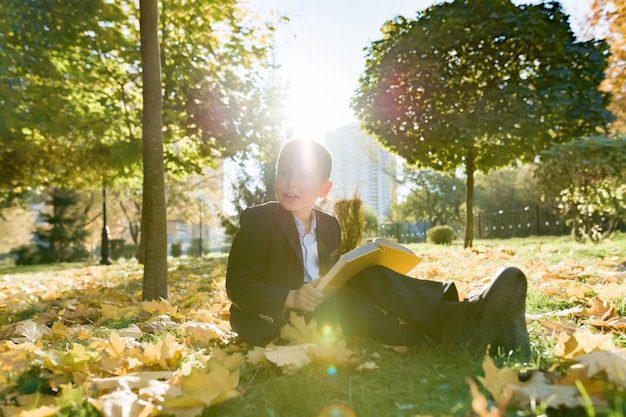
x: 379, y: 251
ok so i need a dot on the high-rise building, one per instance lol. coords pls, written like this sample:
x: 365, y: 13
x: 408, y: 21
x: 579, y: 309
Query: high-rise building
x: 361, y: 164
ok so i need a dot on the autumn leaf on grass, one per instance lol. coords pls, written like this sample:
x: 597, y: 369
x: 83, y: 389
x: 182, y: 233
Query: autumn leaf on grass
x: 480, y: 404
x: 289, y: 357
x: 123, y: 403
x: 580, y: 342
x: 611, y: 365
x: 69, y: 362
x: 205, y: 332
x: 612, y: 291
x: 76, y: 313
x: 165, y: 353
x: 497, y: 381
x: 599, y: 309
x: 336, y: 353
x: 71, y: 395
x: 298, y: 331
x: 115, y: 355
x: 26, y: 331
x: 504, y: 386
x: 616, y: 323
x: 15, y: 358
x: 148, y: 384
x: 160, y: 307
x: 202, y: 388
x: 31, y: 405
x: 255, y: 355
x: 542, y: 390
x: 158, y: 324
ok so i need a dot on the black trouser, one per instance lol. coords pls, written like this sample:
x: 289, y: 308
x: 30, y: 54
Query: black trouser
x: 384, y: 305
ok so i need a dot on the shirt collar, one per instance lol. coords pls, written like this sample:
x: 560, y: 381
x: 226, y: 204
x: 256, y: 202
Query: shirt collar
x: 300, y: 225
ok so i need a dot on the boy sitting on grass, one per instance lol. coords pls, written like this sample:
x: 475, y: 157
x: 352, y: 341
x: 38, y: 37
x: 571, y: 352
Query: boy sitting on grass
x: 283, y: 247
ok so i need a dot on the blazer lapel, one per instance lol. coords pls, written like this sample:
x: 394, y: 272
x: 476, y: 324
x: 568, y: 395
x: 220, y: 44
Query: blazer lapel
x: 287, y: 226
x: 323, y: 248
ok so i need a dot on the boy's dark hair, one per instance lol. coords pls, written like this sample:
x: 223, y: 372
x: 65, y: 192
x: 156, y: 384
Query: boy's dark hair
x: 303, y: 147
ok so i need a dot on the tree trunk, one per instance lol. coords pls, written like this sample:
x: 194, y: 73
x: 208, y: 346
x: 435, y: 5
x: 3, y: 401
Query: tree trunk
x: 154, y: 230
x: 469, y: 198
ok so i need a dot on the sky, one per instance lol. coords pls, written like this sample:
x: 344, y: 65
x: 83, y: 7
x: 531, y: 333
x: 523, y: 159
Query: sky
x: 320, y: 53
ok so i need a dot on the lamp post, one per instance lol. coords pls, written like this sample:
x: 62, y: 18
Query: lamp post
x: 104, y: 246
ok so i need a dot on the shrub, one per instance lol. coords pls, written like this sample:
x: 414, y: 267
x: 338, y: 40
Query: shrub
x: 440, y: 235
x: 351, y: 218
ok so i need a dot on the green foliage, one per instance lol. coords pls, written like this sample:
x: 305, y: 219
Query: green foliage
x: 440, y: 235
x: 63, y: 238
x: 371, y: 222
x: 586, y: 178
x: 435, y: 197
x: 351, y: 218
x: 480, y: 84
x: 70, y: 88
x: 507, y: 189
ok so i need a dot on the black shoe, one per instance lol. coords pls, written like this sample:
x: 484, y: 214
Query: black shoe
x: 495, y: 317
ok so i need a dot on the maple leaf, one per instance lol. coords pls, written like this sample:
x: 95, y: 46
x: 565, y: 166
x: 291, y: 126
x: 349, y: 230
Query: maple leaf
x: 582, y: 341
x: 160, y: 307
x: 480, y: 403
x: 298, y: 331
x: 289, y: 357
x: 539, y: 388
x: 16, y: 360
x: 611, y: 364
x: 204, y: 388
x: 165, y: 353
x: 256, y: 355
x: 70, y: 361
x: 205, y: 332
x: 600, y: 309
x: 496, y: 380
x: 158, y: 324
x: 29, y: 331
x: 336, y: 353
x: 122, y: 403
x: 72, y: 312
x: 71, y: 395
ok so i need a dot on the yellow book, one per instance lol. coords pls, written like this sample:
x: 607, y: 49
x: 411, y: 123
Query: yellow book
x: 379, y: 251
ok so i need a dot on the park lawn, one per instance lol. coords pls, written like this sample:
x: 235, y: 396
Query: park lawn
x: 77, y: 340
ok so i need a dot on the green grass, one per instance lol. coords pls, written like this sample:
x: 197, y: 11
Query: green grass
x: 424, y: 380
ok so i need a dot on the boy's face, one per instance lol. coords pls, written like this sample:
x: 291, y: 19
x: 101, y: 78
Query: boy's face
x: 299, y: 183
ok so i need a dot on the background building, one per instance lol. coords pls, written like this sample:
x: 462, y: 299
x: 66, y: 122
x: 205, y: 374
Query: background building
x: 362, y: 164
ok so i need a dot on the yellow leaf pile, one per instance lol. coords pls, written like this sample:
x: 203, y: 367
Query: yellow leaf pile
x: 96, y: 341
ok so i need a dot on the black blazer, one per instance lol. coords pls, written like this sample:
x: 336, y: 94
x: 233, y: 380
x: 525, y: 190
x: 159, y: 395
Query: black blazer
x: 265, y: 263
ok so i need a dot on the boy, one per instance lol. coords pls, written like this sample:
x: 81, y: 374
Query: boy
x: 283, y: 247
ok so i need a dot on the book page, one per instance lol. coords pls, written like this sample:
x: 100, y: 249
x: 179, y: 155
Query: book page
x: 380, y: 251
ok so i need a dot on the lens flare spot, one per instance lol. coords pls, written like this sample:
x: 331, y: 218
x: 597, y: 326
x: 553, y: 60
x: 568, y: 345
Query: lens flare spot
x: 337, y: 410
x: 332, y: 370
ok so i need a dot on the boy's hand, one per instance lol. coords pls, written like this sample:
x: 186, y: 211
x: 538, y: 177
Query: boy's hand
x: 306, y: 298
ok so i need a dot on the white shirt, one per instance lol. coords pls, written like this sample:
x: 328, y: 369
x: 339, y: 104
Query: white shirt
x: 310, y: 255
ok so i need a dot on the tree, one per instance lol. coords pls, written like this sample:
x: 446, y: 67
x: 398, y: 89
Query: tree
x: 153, y: 216
x: 480, y: 84
x: 70, y: 84
x: 435, y: 198
x: 509, y: 188
x: 62, y: 236
x: 586, y: 178
x: 610, y: 15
